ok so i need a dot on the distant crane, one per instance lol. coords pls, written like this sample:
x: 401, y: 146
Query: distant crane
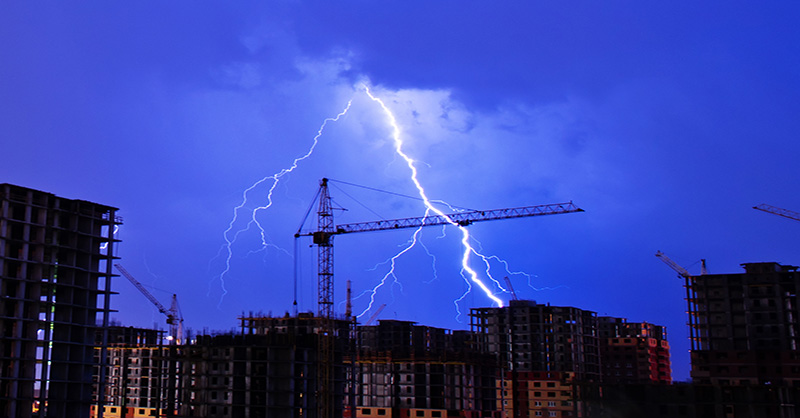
x: 778, y: 211
x: 691, y: 297
x: 680, y: 270
x: 323, y: 238
x: 174, y: 318
x: 511, y: 288
x: 374, y: 316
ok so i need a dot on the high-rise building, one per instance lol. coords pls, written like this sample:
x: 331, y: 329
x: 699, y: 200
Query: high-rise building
x: 538, y: 337
x: 528, y: 337
x: 55, y: 283
x: 744, y: 327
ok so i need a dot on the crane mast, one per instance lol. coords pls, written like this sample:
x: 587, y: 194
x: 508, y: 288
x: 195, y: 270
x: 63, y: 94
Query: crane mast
x: 323, y: 238
x: 174, y: 319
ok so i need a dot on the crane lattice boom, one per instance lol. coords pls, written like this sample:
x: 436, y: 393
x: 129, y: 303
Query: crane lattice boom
x: 511, y: 288
x: 374, y: 316
x: 142, y: 289
x: 174, y: 319
x: 460, y: 218
x: 675, y: 266
x: 778, y: 211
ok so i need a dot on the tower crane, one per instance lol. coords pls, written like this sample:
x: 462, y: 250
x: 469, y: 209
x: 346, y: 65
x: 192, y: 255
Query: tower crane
x: 691, y: 296
x: 174, y: 318
x: 778, y: 211
x: 323, y: 238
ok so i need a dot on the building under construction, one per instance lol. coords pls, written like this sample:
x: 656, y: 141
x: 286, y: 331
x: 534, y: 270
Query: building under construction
x: 542, y: 346
x: 745, y: 327
x: 141, y: 375
x: 268, y: 369
x: 402, y: 369
x: 55, y: 283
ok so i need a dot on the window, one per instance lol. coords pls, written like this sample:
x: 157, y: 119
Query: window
x: 551, y: 403
x: 420, y: 413
x: 436, y: 414
x: 553, y: 413
x: 381, y: 411
x: 366, y: 411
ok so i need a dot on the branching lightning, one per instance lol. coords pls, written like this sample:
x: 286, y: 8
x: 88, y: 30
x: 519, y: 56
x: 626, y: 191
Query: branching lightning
x: 230, y: 236
x: 470, y: 275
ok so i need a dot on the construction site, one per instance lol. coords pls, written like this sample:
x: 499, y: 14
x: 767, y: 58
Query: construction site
x: 63, y: 357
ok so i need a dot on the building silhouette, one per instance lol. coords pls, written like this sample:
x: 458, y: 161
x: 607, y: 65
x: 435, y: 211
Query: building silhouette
x: 551, y: 356
x: 633, y: 352
x: 55, y: 284
x: 744, y: 327
x: 402, y: 369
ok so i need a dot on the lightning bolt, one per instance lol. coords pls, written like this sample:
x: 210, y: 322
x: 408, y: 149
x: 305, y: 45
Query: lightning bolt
x: 469, y: 274
x: 104, y: 245
x: 230, y: 235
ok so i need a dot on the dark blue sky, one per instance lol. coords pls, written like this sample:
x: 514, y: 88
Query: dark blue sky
x: 665, y: 122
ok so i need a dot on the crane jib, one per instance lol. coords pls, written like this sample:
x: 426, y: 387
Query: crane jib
x: 460, y: 218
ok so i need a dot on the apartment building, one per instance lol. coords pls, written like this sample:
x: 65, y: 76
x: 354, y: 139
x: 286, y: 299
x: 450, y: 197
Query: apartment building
x: 633, y: 352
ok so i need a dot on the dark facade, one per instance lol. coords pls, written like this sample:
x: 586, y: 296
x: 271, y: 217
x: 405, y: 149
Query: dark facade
x: 267, y: 370
x: 693, y: 400
x: 537, y: 337
x: 528, y: 337
x: 633, y: 352
x: 744, y: 327
x: 403, y: 369
x: 55, y: 273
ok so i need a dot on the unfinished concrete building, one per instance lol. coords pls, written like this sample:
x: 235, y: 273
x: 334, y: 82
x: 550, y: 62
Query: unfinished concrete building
x: 744, y: 328
x: 269, y: 369
x: 55, y: 283
x: 141, y: 374
x: 531, y: 337
x: 407, y: 370
x: 537, y: 337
